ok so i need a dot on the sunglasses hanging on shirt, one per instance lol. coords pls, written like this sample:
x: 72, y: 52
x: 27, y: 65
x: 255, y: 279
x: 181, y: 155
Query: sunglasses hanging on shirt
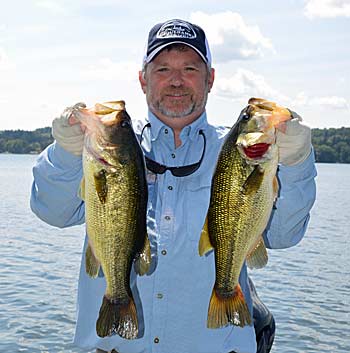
x: 182, y: 171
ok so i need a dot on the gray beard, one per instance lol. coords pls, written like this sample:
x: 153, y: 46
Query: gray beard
x: 177, y: 114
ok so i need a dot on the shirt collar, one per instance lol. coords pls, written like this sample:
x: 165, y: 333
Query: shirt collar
x: 191, y: 130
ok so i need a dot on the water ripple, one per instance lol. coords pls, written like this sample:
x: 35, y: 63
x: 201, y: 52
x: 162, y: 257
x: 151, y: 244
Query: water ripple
x: 306, y: 287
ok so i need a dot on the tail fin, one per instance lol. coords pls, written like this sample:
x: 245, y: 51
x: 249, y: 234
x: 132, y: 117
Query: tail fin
x: 117, y: 317
x: 228, y: 310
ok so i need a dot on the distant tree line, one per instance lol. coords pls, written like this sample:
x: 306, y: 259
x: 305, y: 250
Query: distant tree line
x: 331, y: 145
x: 20, y: 141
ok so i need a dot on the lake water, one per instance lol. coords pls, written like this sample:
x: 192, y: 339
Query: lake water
x: 306, y: 287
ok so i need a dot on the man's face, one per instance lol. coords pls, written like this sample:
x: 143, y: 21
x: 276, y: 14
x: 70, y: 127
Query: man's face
x: 176, y: 83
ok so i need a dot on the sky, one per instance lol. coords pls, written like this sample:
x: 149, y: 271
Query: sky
x: 54, y: 53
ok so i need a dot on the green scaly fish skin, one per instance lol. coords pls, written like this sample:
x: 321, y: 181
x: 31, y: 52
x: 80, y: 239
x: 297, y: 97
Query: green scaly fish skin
x: 242, y: 196
x: 115, y: 194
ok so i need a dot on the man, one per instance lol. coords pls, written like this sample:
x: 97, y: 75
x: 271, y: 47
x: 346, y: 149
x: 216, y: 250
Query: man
x: 176, y: 79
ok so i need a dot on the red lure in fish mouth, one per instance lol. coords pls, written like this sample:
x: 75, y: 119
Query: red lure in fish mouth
x: 256, y: 151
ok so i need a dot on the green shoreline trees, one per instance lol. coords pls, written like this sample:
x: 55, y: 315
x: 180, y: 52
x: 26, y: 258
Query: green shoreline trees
x: 23, y: 142
x: 331, y: 145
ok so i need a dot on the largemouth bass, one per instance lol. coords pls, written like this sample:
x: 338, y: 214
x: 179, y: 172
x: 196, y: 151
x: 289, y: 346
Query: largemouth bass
x: 244, y: 187
x: 114, y: 189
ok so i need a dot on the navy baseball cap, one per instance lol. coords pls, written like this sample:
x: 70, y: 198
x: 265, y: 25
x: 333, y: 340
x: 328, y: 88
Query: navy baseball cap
x: 177, y: 31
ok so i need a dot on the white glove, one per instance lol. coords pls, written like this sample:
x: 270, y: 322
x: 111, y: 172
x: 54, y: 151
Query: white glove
x: 293, y: 140
x: 67, y: 132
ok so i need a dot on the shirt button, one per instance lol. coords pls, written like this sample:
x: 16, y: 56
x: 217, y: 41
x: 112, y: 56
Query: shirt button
x: 166, y: 131
x: 167, y: 218
x: 159, y: 295
x: 163, y: 252
x: 170, y: 187
x: 173, y: 155
x: 156, y: 340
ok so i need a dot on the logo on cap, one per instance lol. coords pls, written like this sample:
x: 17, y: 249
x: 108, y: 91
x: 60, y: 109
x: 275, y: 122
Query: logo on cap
x: 176, y: 29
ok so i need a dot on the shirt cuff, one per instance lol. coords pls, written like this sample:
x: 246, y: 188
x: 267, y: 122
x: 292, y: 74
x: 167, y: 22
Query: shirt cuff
x: 62, y: 158
x: 299, y: 171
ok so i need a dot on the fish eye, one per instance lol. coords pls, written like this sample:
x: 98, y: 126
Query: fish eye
x: 245, y: 116
x: 124, y: 123
x: 246, y: 112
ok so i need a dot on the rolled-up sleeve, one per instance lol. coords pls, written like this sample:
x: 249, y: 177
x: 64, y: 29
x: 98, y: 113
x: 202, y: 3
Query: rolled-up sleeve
x: 54, y: 195
x: 291, y: 214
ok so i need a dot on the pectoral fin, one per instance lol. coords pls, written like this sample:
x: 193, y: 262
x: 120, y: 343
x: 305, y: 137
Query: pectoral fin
x: 101, y: 185
x: 204, y: 245
x: 257, y: 256
x: 143, y: 259
x: 253, y: 181
x: 81, y: 191
x: 92, y: 265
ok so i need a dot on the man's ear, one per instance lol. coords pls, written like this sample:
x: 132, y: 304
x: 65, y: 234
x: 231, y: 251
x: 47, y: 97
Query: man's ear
x: 211, y: 79
x: 142, y: 81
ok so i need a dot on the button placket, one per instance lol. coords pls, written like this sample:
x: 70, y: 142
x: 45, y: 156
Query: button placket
x: 159, y: 315
x: 165, y: 219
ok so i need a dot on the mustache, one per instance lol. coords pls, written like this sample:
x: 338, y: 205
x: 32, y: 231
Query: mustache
x: 177, y: 91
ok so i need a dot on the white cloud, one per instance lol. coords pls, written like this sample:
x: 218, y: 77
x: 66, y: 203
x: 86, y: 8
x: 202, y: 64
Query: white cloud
x: 327, y: 8
x: 230, y: 37
x: 5, y: 63
x: 333, y: 102
x: 245, y: 84
x: 67, y: 7
x: 35, y: 29
x: 51, y: 5
x: 107, y: 70
x: 101, y: 3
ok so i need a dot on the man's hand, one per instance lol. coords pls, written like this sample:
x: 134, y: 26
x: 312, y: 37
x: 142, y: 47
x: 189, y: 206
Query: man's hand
x: 67, y: 131
x: 293, y: 140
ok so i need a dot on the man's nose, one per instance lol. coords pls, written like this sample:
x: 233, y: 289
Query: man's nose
x: 176, y: 78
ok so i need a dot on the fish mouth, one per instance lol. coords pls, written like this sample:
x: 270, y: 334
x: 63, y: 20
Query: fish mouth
x: 255, y: 146
x: 109, y: 112
x: 256, y: 151
x: 109, y: 119
x: 108, y: 107
x: 272, y: 113
x: 101, y: 145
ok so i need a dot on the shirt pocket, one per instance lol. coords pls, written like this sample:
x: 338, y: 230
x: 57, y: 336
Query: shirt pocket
x: 196, y: 205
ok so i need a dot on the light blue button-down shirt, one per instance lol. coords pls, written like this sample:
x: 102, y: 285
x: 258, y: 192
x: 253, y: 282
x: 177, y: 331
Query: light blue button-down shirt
x: 172, y: 300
